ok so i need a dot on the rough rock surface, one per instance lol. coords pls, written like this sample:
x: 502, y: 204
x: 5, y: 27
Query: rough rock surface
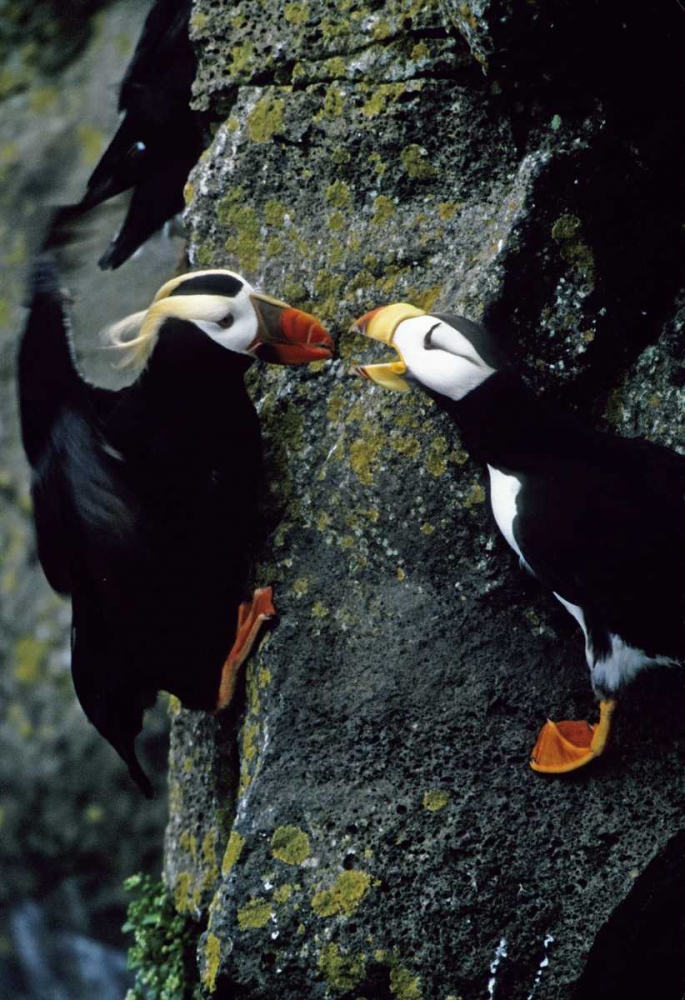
x: 364, y: 824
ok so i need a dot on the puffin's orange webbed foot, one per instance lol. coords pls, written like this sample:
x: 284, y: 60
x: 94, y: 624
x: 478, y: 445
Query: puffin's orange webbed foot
x: 565, y: 746
x: 251, y: 614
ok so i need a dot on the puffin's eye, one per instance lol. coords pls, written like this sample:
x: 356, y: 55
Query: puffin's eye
x: 226, y: 322
x: 136, y: 150
x: 427, y: 345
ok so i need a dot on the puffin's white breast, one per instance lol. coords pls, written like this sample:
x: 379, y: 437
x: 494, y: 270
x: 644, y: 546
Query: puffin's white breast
x: 504, y: 489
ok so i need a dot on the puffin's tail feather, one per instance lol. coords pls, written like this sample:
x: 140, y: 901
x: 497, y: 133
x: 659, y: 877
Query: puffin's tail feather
x: 137, y: 773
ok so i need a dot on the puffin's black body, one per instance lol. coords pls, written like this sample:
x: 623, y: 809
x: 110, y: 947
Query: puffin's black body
x: 145, y: 508
x: 160, y: 138
x: 600, y: 519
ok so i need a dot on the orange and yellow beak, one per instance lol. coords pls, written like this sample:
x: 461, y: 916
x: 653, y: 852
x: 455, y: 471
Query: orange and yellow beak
x: 381, y: 324
x: 288, y: 336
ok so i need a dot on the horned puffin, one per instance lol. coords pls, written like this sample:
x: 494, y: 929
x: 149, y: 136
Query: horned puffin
x: 145, y: 498
x: 598, y: 519
x: 160, y: 137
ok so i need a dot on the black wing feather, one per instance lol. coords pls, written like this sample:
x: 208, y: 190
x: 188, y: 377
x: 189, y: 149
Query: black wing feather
x: 608, y: 534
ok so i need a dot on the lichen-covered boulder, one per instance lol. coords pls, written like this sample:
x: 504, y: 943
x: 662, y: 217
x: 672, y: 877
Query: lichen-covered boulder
x: 364, y: 823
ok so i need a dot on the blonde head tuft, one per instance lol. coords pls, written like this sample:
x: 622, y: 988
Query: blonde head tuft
x: 136, y: 335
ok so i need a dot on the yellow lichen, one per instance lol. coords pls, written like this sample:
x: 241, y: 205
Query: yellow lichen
x: 92, y: 143
x: 241, y: 58
x: 188, y: 842
x: 436, y: 462
x: 435, y: 800
x: 250, y: 734
x: 29, y: 658
x: 266, y: 119
x: 290, y: 844
x: 342, y: 972
x: 404, y: 985
x: 415, y: 161
x: 296, y: 13
x: 212, y: 954
x: 232, y: 853
x: 383, y: 209
x: 364, y: 454
x: 338, y: 195
x: 320, y: 610
x: 94, y: 813
x: 344, y: 896
x: 256, y: 913
x: 475, y: 496
x: 43, y: 99
x: 283, y: 893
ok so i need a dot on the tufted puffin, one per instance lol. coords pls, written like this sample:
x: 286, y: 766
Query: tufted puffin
x: 145, y: 498
x: 598, y: 519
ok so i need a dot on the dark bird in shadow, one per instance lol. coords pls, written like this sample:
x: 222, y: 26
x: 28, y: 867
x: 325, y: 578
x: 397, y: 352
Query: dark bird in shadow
x: 160, y: 137
x: 145, y: 498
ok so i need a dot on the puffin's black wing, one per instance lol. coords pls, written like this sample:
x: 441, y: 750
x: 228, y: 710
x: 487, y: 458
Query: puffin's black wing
x: 607, y: 532
x: 47, y: 373
x: 160, y: 138
x: 83, y: 508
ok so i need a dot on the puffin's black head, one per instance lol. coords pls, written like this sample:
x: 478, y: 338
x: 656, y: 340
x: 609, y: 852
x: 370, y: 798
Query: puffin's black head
x: 445, y: 355
x: 226, y: 308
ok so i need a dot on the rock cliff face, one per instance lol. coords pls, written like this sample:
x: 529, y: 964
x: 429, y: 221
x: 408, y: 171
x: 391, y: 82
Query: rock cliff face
x: 364, y: 823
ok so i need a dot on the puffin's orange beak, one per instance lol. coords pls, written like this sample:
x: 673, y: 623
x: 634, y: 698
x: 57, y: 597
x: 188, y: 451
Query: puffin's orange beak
x: 288, y: 336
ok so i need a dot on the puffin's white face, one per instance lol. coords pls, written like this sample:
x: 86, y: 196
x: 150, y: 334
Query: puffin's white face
x: 440, y: 356
x: 225, y: 307
x: 230, y: 318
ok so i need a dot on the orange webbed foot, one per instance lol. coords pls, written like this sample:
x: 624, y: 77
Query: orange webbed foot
x: 251, y: 615
x: 565, y: 746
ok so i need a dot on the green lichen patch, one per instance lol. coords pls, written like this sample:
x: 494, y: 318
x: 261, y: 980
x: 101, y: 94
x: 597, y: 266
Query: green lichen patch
x: 274, y: 212
x: 435, y: 799
x: 344, y: 896
x: 567, y: 232
x: 338, y: 195
x: 475, y: 496
x: 212, y: 957
x: 241, y: 58
x: 415, y: 161
x: 342, y: 972
x: 266, y: 118
x: 92, y: 143
x: 436, y: 457
x: 404, y: 985
x: 29, y: 656
x: 383, y: 209
x: 283, y: 893
x: 255, y: 914
x: 291, y: 845
x: 163, y: 953
x: 296, y: 13
x: 365, y: 453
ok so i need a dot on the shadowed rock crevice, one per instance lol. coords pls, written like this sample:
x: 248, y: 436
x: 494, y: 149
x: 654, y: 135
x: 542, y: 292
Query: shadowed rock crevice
x: 640, y: 948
